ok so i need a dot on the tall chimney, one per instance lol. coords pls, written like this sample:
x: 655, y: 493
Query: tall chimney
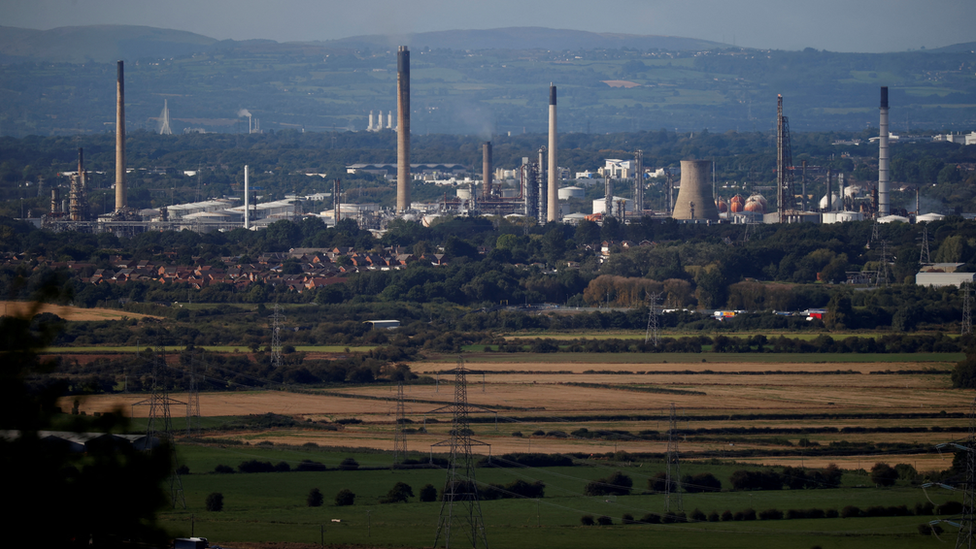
x: 121, y: 200
x: 486, y: 173
x: 552, y: 211
x: 884, y: 176
x: 370, y: 127
x: 695, y: 194
x: 403, y: 129
x: 247, y: 201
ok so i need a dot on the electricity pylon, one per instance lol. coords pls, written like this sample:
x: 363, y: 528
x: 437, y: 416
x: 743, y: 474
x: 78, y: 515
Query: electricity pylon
x: 159, y: 426
x: 672, y: 492
x: 400, y: 436
x: 461, y: 520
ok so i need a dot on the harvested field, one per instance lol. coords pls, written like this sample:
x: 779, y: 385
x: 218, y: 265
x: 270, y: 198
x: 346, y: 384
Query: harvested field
x: 540, y: 405
x: 68, y: 313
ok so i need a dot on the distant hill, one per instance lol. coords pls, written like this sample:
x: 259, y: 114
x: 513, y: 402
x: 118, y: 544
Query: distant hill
x: 107, y: 43
x: 99, y: 43
x: 955, y: 48
x: 526, y: 38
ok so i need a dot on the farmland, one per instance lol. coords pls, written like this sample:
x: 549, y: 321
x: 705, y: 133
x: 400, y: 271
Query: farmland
x: 731, y: 414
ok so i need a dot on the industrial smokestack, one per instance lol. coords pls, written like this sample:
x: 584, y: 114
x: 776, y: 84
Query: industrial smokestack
x: 695, y: 195
x: 121, y: 200
x: 884, y: 177
x: 247, y: 201
x: 370, y: 127
x: 55, y: 200
x: 552, y: 211
x: 486, y: 170
x: 403, y: 129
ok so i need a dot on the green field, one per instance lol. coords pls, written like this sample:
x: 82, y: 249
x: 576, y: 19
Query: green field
x: 271, y: 507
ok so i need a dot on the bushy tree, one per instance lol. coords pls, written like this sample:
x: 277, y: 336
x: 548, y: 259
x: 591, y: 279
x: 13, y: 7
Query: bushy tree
x: 215, y: 501
x: 314, y: 498
x: 348, y: 464
x: 428, y: 493
x: 345, y: 497
x: 883, y: 474
x: 617, y: 484
x: 400, y: 492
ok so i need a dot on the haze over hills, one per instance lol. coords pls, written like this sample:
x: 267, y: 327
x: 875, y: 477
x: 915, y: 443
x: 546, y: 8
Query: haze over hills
x: 106, y: 43
x: 62, y: 81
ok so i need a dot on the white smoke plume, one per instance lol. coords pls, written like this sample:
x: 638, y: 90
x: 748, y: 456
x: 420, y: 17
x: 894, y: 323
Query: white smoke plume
x: 243, y: 112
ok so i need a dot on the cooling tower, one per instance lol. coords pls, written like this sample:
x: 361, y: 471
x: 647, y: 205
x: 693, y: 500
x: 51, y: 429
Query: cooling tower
x: 552, y: 209
x: 403, y: 129
x: 121, y: 200
x: 884, y: 206
x: 695, y: 195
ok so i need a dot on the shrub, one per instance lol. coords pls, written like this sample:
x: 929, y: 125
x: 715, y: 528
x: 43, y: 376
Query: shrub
x: 756, y: 480
x: 282, y: 467
x: 587, y: 520
x: 183, y: 470
x: 348, y: 464
x: 697, y: 515
x: 400, y: 492
x: 651, y: 518
x: 713, y: 517
x: 771, y: 514
x: 627, y: 518
x: 926, y: 508
x: 223, y: 469
x: 727, y: 515
x: 831, y: 513
x: 749, y: 514
x: 949, y: 508
x: 703, y: 482
x: 617, y: 484
x: 883, y: 474
x: 255, y: 466
x: 309, y: 465
x: 345, y: 497
x: 314, y: 498
x: 604, y: 521
x: 850, y: 511
x: 428, y: 493
x: 659, y: 483
x: 215, y: 502
x: 517, y: 434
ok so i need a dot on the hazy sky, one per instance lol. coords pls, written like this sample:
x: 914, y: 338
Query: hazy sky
x: 836, y: 25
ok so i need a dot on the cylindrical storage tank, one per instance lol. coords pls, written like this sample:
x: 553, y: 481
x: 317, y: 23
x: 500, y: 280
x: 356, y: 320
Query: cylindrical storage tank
x: 566, y: 193
x: 738, y: 204
x: 834, y: 202
x: 695, y: 195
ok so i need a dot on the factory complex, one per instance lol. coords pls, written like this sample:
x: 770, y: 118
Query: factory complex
x: 537, y: 189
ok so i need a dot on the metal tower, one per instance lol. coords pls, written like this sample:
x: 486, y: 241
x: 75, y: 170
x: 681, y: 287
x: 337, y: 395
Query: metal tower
x: 785, y: 197
x: 276, y: 318
x: 883, y: 266
x: 159, y: 426
x: 399, y: 436
x: 608, y: 198
x: 652, y: 334
x: 192, y: 400
x: 966, y: 530
x: 967, y: 309
x: 461, y: 509
x: 672, y: 498
x: 164, y: 128
x: 925, y: 257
